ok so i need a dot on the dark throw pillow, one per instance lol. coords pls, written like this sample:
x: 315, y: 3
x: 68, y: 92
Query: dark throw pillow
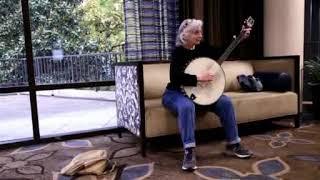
x: 274, y: 81
x: 249, y: 83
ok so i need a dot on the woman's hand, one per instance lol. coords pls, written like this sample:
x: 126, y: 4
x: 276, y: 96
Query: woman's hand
x: 245, y: 31
x: 205, y: 76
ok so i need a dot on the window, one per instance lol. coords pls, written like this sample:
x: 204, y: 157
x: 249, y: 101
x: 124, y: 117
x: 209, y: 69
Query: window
x: 311, y: 37
x: 74, y: 45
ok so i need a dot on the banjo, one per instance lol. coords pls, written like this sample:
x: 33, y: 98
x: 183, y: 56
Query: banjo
x: 206, y: 93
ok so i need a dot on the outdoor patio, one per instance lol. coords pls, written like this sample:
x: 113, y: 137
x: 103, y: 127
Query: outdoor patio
x: 60, y: 111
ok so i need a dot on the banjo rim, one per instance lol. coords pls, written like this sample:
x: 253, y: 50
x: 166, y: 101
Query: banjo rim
x: 218, y: 95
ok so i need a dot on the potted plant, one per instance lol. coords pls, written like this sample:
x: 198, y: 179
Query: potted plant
x: 312, y: 71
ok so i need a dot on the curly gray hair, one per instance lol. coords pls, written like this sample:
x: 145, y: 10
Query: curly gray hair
x: 186, y: 27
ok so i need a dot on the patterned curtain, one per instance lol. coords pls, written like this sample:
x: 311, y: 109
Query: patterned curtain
x: 150, y: 29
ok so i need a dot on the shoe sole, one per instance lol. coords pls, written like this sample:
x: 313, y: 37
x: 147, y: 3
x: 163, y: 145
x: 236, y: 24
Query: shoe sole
x: 189, y: 169
x: 238, y: 155
x: 243, y: 156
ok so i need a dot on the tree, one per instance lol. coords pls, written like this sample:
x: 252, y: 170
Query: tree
x: 104, y: 18
x: 11, y: 29
x: 77, y: 26
x: 56, y: 24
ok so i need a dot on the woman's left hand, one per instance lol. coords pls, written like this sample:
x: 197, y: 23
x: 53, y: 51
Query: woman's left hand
x: 245, y: 31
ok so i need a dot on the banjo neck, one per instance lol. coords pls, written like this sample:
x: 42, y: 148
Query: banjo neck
x: 229, y: 49
x: 247, y: 23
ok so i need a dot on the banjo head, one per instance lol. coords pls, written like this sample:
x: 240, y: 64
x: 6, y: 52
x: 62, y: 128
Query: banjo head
x: 208, y: 92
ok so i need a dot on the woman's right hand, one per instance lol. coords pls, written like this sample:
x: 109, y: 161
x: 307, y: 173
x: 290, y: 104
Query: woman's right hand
x: 205, y: 76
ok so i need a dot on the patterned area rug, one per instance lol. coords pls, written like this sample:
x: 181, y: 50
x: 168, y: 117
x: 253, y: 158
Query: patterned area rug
x: 279, y: 153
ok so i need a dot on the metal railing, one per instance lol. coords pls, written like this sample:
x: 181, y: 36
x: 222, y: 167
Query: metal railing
x: 69, y: 69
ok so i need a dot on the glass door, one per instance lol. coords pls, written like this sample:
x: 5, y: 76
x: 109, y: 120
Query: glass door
x: 15, y: 111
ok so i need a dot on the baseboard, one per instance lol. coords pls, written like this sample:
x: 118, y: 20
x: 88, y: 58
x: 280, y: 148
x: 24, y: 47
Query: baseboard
x: 307, y: 106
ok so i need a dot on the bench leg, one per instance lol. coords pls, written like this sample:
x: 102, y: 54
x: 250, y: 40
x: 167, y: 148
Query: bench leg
x: 143, y: 147
x: 119, y: 134
x: 297, y: 121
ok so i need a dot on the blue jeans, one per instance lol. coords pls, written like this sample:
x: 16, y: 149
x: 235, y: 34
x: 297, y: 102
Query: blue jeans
x: 185, y: 110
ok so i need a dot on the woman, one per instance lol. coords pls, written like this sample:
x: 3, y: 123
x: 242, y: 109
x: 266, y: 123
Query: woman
x: 189, y: 47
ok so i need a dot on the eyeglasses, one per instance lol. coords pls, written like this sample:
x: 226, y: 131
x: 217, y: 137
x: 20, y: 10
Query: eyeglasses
x: 188, y: 21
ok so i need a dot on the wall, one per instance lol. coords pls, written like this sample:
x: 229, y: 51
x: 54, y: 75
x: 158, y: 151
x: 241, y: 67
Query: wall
x: 284, y: 28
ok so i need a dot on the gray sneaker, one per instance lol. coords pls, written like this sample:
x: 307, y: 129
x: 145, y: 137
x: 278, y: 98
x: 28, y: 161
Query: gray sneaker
x: 189, y: 160
x: 238, y: 150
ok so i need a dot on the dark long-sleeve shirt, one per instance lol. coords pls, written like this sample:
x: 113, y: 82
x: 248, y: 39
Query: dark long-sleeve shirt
x: 181, y: 57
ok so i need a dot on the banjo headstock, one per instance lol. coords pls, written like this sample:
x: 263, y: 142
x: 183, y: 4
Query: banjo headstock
x: 249, y: 22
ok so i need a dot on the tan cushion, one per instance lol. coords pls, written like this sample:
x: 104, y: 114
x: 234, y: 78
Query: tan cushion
x: 234, y: 68
x: 156, y: 78
x: 248, y: 107
x: 263, y: 105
